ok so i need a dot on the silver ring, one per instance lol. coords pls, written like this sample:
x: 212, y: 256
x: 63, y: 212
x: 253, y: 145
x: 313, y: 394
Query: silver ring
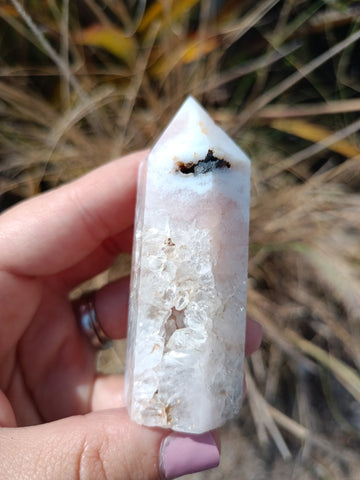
x: 89, y: 323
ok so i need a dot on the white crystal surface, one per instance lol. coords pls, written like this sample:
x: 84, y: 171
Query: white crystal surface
x: 188, y: 291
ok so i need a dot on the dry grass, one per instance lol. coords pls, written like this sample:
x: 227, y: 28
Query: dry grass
x: 283, y: 79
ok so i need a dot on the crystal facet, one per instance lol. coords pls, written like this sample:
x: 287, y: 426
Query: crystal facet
x: 188, y: 291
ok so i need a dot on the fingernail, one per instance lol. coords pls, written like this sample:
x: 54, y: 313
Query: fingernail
x: 181, y: 454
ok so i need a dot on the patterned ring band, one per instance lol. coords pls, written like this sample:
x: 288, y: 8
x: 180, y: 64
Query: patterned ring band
x: 89, y: 323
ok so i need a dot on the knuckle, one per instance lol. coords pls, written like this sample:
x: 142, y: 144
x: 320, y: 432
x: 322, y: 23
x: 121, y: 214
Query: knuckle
x: 92, y: 464
x: 91, y: 219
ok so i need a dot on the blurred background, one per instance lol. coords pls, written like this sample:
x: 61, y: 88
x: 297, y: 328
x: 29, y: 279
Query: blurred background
x: 84, y: 81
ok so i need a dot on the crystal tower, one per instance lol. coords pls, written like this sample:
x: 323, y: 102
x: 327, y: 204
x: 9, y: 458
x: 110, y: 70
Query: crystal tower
x: 187, y: 311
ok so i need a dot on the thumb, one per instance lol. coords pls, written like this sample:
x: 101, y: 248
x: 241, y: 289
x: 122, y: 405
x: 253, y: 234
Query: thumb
x: 102, y: 445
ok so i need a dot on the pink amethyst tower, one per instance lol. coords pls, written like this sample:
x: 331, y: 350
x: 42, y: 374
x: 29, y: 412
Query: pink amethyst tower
x: 187, y: 311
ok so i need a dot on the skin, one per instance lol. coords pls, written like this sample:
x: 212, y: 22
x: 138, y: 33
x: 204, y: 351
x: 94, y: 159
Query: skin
x: 59, y: 419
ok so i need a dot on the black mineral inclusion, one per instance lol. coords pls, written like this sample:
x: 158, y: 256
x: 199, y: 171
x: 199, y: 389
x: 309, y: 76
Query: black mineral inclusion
x: 208, y: 164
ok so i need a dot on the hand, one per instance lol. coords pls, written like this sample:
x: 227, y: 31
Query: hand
x: 63, y: 420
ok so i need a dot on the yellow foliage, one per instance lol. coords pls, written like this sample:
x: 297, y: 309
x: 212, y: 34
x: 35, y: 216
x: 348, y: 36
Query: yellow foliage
x: 111, y: 39
x: 192, y: 50
x: 315, y: 133
x: 9, y: 10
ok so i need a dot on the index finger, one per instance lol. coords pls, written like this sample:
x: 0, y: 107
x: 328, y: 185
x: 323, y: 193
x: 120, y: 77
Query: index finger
x: 56, y: 230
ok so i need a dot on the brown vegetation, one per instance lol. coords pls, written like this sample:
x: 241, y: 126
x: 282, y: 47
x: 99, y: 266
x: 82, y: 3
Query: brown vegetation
x: 85, y: 81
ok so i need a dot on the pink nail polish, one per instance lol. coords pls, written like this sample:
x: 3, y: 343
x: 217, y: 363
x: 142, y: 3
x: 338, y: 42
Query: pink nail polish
x: 181, y: 454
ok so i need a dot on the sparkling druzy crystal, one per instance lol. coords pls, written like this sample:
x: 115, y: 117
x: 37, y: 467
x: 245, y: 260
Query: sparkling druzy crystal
x: 188, y: 292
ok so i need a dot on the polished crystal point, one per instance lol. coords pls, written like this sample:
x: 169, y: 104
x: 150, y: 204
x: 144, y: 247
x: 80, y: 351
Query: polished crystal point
x: 187, y: 310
